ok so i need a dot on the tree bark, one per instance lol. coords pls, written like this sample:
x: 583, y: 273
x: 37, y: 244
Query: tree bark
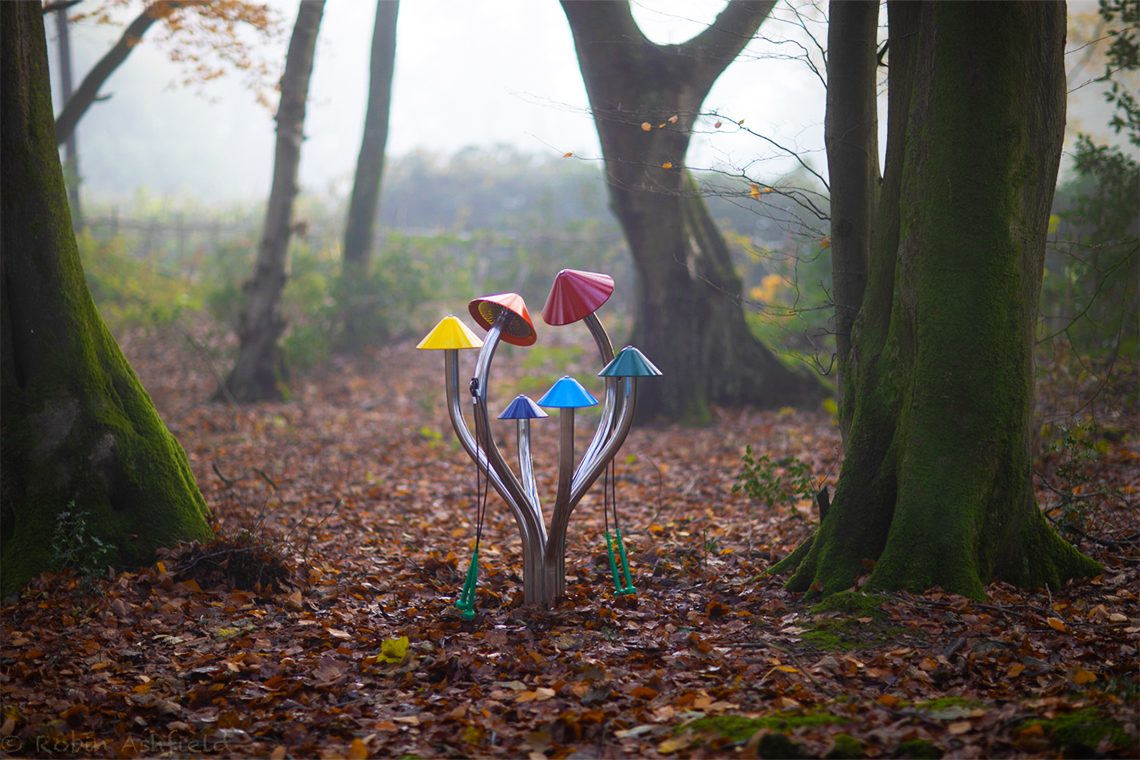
x: 937, y: 485
x: 688, y: 316
x: 361, y: 225
x: 78, y: 432
x: 260, y: 372
x: 851, y: 135
x: 78, y: 102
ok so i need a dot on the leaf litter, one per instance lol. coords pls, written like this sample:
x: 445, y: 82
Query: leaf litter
x: 321, y: 622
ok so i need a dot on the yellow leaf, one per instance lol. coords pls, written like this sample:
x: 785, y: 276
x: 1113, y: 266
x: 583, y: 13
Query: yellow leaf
x: 1082, y: 676
x: 357, y: 751
x: 786, y: 669
x: 1016, y: 670
x: 676, y: 743
x: 667, y: 165
x: 567, y: 155
x: 393, y: 650
x: 767, y: 190
x: 825, y: 242
x: 1057, y: 624
x: 646, y: 126
x: 755, y: 191
x: 661, y: 126
x: 161, y: 567
x: 673, y: 119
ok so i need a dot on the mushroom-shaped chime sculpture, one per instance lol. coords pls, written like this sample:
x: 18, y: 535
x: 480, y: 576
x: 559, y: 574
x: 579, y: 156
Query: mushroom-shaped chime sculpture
x: 575, y: 296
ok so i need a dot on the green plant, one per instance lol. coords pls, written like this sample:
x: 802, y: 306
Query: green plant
x: 1068, y: 470
x: 75, y: 547
x: 772, y: 482
x: 130, y: 291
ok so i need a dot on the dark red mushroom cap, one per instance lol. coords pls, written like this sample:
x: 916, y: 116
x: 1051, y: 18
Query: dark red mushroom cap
x: 575, y: 295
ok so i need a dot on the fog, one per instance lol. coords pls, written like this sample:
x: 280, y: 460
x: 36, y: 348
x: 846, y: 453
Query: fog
x: 467, y: 74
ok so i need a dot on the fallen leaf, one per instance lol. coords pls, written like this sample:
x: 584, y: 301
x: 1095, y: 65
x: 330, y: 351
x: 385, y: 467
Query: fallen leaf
x: 393, y: 650
x: 1057, y: 624
x: 646, y: 126
x: 357, y: 750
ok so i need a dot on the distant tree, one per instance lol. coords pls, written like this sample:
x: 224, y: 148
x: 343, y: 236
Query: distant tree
x: 936, y: 486
x: 260, y: 372
x: 851, y: 136
x: 79, y: 434
x: 1092, y: 291
x: 688, y: 315
x: 360, y: 228
x: 195, y: 31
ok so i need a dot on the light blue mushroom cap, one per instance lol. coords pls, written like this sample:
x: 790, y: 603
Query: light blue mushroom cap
x: 567, y: 393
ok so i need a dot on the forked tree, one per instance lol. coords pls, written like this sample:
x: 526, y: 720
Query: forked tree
x: 688, y: 313
x: 936, y: 488
x: 78, y: 434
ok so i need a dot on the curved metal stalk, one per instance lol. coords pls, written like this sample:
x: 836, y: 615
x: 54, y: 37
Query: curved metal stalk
x: 612, y: 405
x: 531, y: 530
x: 588, y: 474
x: 535, y: 539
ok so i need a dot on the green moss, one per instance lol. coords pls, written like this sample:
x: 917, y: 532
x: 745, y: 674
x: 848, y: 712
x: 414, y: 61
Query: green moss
x: 920, y: 749
x: 738, y: 728
x: 1085, y: 727
x: 852, y: 603
x: 844, y: 747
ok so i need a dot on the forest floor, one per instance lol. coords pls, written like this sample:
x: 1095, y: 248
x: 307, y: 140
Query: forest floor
x: 321, y: 622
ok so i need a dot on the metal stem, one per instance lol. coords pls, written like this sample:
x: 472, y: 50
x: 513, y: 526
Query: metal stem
x: 533, y: 537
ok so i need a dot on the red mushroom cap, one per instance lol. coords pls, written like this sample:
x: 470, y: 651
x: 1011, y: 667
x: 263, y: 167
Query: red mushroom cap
x: 575, y: 295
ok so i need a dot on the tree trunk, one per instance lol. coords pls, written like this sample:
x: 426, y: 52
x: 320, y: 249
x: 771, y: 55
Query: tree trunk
x: 937, y: 482
x: 688, y: 317
x: 260, y: 372
x: 79, y: 433
x: 851, y: 135
x: 361, y: 225
x: 77, y: 103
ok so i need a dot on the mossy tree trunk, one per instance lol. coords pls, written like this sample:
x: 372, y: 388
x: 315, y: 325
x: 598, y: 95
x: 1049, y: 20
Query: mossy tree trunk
x: 937, y: 485
x: 360, y: 229
x: 79, y: 433
x: 689, y: 318
x: 260, y: 372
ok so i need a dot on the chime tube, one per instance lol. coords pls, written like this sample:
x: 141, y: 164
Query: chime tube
x: 526, y: 467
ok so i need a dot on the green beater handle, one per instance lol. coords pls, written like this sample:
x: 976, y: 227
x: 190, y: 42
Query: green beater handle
x: 613, y: 563
x: 466, y: 601
x: 629, y: 589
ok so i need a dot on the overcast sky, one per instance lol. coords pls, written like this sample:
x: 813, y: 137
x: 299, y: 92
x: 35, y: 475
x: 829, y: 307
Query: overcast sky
x: 468, y: 72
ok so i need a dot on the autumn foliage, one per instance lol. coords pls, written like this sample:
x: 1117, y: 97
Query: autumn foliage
x: 322, y: 621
